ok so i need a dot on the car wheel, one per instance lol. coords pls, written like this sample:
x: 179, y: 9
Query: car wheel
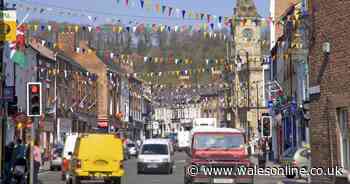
x: 171, y: 169
x: 69, y: 181
x: 291, y: 176
x: 117, y: 180
x: 187, y: 181
x: 139, y: 171
x: 77, y: 181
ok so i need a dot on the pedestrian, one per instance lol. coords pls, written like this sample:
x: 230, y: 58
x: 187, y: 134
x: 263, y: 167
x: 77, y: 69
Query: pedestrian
x: 9, y: 161
x: 138, y: 142
x: 37, y: 161
x: 20, y: 150
x: 262, y: 152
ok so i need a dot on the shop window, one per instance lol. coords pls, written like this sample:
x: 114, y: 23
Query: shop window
x: 342, y: 117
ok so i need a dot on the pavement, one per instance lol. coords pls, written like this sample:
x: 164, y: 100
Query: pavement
x: 131, y: 176
x: 45, y: 167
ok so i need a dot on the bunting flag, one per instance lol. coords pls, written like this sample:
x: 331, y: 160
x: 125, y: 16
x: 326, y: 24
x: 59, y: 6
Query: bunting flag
x: 158, y: 8
x: 183, y: 14
x: 126, y: 2
x: 16, y: 54
x: 170, y: 9
x: 163, y: 9
x: 142, y: 3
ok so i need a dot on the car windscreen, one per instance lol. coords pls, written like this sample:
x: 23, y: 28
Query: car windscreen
x: 205, y: 141
x: 289, y: 152
x: 154, y: 149
x: 58, y: 151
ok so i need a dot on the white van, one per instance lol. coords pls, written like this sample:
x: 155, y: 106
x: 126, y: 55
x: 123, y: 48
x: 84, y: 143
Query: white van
x: 156, y: 155
x: 68, y: 149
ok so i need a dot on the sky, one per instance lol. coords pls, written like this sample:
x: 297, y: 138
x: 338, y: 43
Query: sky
x: 108, y: 9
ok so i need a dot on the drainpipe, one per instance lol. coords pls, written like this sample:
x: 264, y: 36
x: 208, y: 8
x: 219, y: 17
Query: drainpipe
x: 330, y: 139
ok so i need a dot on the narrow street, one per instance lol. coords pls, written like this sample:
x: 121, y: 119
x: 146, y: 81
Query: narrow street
x: 53, y: 177
x: 235, y: 83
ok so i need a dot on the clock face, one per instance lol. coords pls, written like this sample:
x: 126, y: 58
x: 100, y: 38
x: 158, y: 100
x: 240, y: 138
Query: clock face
x: 248, y: 33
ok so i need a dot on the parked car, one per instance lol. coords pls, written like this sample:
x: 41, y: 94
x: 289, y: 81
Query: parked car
x: 132, y: 149
x: 68, y: 149
x: 97, y: 157
x: 156, y: 155
x: 299, y: 158
x: 56, y: 158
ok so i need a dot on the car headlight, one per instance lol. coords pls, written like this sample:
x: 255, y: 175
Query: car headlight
x: 164, y: 160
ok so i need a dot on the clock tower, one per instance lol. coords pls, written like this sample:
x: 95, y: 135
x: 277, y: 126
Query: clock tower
x: 249, y: 86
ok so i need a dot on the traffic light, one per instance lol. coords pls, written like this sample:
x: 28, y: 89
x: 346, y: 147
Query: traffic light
x: 266, y: 126
x: 34, y: 103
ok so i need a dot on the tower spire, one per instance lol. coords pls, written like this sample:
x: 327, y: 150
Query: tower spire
x: 246, y: 8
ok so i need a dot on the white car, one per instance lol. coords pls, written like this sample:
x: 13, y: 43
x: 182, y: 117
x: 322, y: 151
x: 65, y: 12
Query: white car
x: 156, y: 155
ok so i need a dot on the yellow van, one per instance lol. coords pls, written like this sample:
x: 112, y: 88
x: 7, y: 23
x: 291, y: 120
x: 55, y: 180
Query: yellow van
x: 97, y: 157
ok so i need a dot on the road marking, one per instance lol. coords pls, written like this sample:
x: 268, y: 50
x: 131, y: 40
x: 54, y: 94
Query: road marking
x: 155, y: 181
x: 43, y: 172
x: 180, y: 161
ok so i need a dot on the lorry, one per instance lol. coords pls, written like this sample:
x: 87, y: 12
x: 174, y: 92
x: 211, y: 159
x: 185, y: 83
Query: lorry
x: 219, y: 148
x: 184, y: 135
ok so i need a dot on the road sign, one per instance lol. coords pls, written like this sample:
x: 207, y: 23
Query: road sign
x: 8, y: 25
x: 155, y: 125
x: 270, y: 104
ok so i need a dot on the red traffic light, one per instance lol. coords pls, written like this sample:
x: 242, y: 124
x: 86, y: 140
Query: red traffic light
x: 34, y: 89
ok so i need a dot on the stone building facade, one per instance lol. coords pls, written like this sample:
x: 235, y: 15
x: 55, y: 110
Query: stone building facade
x: 247, y: 55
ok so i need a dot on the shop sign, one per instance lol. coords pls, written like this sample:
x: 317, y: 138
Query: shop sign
x: 8, y: 25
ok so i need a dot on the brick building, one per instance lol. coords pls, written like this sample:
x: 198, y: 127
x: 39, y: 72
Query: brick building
x: 329, y: 87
